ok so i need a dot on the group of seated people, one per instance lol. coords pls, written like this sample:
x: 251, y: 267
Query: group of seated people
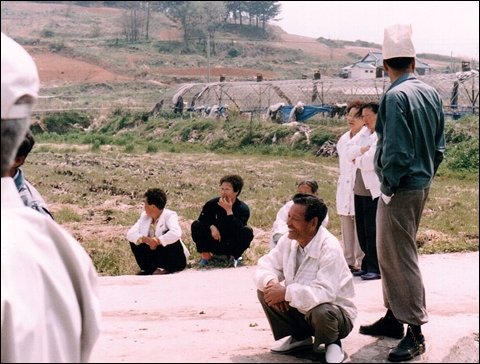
x: 220, y: 232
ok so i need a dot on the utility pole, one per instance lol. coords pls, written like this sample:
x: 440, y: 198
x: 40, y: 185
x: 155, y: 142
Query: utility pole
x: 208, y: 58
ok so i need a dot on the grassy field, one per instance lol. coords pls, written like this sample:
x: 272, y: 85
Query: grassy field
x: 94, y: 182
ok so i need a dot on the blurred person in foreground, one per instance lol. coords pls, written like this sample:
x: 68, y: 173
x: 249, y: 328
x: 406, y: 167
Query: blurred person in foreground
x: 410, y: 147
x: 29, y: 194
x: 222, y: 228
x: 280, y: 225
x: 304, y: 284
x: 345, y: 196
x: 155, y: 239
x: 50, y: 307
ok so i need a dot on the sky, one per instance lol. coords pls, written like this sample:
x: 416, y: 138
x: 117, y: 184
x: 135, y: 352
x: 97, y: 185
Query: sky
x: 448, y: 28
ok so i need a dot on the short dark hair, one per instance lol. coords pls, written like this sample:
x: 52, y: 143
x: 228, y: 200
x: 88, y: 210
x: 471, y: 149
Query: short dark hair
x: 26, y: 146
x: 315, y: 207
x: 157, y: 197
x: 235, y: 180
x: 399, y: 63
x: 310, y: 183
x: 370, y: 105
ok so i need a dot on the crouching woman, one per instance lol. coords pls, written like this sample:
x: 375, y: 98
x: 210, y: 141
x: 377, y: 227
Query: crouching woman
x: 155, y: 238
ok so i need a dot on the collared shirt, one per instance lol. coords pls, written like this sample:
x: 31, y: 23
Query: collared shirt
x: 167, y: 229
x: 50, y: 308
x: 411, y: 141
x: 29, y: 194
x: 322, y: 277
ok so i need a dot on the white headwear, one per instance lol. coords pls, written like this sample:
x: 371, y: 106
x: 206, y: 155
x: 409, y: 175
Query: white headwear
x: 19, y: 78
x: 397, y: 41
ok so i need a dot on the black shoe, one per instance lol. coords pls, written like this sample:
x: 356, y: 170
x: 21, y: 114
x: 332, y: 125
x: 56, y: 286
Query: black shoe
x: 407, y: 349
x: 359, y: 273
x: 380, y: 328
x: 143, y: 273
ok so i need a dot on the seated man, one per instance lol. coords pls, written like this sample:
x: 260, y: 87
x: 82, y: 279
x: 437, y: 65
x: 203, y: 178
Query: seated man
x: 280, y: 225
x: 304, y: 284
x: 155, y: 238
x: 222, y: 227
x: 29, y: 194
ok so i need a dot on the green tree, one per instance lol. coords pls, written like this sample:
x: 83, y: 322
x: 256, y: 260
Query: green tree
x: 213, y: 15
x: 187, y: 16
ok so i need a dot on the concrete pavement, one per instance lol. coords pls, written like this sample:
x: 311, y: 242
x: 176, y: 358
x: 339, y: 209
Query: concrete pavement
x: 213, y: 316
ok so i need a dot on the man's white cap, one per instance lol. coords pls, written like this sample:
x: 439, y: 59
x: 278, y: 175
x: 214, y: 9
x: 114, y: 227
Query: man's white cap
x: 397, y: 41
x: 19, y: 78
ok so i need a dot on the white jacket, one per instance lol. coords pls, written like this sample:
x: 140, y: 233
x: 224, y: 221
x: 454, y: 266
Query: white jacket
x: 323, y: 277
x: 346, y: 180
x: 365, y: 161
x: 50, y: 301
x: 167, y: 230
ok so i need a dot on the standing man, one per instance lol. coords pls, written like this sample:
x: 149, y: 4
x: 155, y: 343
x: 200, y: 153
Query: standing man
x: 410, y: 147
x: 50, y: 304
x: 304, y: 284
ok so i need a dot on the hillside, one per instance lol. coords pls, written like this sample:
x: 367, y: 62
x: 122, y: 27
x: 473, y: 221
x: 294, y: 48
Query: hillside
x: 81, y: 54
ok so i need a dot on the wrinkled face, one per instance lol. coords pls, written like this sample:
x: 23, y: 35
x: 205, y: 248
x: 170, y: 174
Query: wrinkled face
x: 369, y: 118
x: 226, y: 190
x: 298, y: 228
x: 354, y: 123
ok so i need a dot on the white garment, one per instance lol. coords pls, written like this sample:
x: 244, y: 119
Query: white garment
x: 167, y: 229
x: 346, y: 180
x: 322, y: 277
x: 365, y: 161
x: 280, y: 224
x: 50, y: 302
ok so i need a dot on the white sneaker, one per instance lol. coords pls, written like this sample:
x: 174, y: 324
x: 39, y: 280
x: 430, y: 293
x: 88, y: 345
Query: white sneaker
x: 334, y: 354
x: 290, y: 345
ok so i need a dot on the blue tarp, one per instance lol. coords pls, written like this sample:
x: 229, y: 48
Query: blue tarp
x: 308, y: 112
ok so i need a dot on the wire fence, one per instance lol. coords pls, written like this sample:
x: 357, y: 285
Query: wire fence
x: 459, y: 93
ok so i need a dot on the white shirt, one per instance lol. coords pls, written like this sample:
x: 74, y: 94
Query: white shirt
x: 167, y: 229
x: 322, y: 277
x: 365, y: 161
x: 346, y: 181
x: 50, y: 303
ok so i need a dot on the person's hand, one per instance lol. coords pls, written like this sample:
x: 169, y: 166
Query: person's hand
x: 386, y: 199
x: 282, y: 306
x: 364, y: 149
x: 274, y: 293
x: 226, y: 204
x: 215, y: 233
x: 152, y: 242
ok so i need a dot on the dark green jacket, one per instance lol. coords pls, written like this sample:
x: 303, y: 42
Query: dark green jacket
x: 410, y: 129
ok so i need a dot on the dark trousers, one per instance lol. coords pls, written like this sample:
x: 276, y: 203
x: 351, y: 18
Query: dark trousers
x: 365, y: 219
x: 326, y: 322
x: 170, y: 257
x: 230, y: 245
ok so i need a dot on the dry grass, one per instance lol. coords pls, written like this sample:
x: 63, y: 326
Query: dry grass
x: 97, y: 196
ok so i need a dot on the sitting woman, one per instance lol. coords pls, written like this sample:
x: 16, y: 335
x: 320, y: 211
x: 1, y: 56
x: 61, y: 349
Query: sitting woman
x: 155, y: 238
